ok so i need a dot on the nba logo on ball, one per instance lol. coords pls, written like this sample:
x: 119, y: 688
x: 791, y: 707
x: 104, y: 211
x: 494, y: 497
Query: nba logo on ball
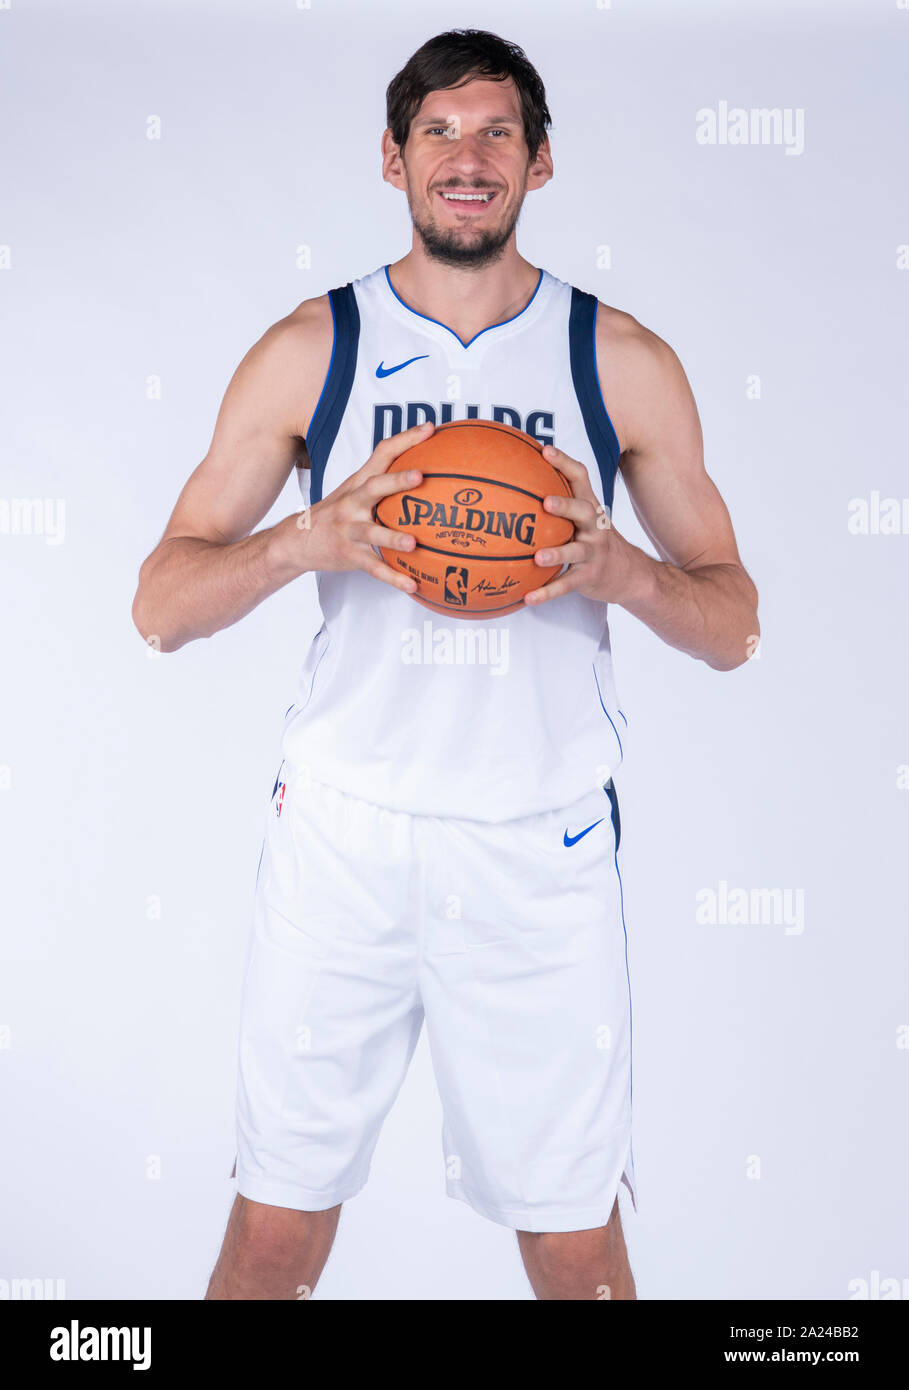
x: 477, y: 518
x: 456, y: 585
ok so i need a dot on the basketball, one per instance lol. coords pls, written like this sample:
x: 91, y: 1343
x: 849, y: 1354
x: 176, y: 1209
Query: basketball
x: 477, y: 518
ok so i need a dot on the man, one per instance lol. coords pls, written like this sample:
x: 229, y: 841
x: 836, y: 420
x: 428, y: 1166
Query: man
x: 443, y: 843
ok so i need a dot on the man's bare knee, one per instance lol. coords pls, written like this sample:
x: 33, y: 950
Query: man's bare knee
x: 259, y: 1223
x: 570, y: 1247
x: 272, y: 1252
x: 579, y: 1264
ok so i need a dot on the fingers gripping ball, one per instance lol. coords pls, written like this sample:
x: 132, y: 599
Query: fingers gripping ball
x: 477, y: 518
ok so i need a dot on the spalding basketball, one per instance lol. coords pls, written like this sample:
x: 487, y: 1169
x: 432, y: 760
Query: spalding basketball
x: 477, y: 517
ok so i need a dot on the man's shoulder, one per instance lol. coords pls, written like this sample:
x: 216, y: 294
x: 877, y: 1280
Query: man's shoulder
x: 305, y: 328
x: 636, y: 368
x: 300, y: 337
x: 617, y: 331
x: 294, y: 356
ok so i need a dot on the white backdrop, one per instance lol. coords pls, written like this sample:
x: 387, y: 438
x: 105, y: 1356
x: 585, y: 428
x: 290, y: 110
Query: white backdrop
x: 770, y: 1082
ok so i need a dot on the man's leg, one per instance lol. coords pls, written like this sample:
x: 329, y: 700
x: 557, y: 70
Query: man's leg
x: 528, y: 1012
x: 579, y: 1264
x: 329, y: 1021
x: 272, y: 1252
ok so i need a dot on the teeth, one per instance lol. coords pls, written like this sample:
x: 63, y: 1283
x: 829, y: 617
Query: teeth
x: 468, y: 197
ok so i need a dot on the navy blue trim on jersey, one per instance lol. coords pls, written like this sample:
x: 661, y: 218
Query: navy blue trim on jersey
x: 609, y: 789
x: 451, y: 330
x: 332, y: 402
x: 582, y: 321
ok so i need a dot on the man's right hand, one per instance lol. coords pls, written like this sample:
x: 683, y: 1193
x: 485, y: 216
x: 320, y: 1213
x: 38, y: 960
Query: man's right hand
x: 339, y: 532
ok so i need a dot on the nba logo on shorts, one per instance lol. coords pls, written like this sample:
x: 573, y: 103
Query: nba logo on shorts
x: 280, y: 798
x: 456, y: 584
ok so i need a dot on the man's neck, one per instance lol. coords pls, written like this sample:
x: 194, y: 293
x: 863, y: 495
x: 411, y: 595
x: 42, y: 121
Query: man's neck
x: 466, y: 299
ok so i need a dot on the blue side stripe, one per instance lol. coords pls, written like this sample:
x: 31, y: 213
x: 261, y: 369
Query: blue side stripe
x: 332, y: 402
x: 609, y: 789
x: 606, y: 711
x: 582, y: 321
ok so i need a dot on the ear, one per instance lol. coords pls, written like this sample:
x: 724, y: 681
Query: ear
x: 540, y: 171
x: 392, y: 162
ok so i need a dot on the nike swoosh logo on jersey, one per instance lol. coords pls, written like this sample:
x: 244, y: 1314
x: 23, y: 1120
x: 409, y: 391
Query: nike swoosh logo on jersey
x: 570, y: 840
x: 382, y: 370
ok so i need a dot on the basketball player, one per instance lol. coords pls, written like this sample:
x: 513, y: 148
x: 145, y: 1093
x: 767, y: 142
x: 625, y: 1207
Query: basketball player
x: 442, y: 842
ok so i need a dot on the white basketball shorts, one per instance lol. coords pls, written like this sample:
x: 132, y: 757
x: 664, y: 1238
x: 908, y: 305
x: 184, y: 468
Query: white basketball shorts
x: 507, y: 938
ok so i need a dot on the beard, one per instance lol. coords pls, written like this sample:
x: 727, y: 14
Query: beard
x: 463, y: 246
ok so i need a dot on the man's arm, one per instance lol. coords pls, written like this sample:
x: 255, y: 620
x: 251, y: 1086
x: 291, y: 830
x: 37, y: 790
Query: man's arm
x: 208, y: 571
x: 697, y: 596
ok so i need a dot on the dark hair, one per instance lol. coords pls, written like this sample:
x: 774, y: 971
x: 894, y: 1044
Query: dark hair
x: 451, y: 59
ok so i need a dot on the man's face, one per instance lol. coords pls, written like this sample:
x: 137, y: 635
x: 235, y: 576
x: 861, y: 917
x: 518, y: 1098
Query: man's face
x: 465, y: 170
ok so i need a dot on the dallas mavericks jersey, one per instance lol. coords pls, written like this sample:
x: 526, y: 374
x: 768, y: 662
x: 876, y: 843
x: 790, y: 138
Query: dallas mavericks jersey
x: 403, y: 706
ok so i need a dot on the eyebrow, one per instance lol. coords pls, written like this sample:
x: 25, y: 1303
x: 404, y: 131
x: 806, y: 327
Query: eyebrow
x: 489, y: 120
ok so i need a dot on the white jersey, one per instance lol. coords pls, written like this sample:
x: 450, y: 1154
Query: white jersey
x: 402, y: 706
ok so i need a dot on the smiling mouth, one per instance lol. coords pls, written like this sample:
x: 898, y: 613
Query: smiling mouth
x: 467, y: 200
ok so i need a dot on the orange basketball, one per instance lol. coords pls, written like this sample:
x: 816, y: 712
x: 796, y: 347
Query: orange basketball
x: 477, y: 517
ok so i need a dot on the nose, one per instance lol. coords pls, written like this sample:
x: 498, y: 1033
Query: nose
x: 467, y: 156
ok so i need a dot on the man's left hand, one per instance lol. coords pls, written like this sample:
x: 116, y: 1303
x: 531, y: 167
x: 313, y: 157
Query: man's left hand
x: 602, y: 564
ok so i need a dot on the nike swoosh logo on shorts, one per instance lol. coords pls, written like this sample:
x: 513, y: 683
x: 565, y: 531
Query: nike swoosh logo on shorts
x: 573, y: 839
x: 382, y: 370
